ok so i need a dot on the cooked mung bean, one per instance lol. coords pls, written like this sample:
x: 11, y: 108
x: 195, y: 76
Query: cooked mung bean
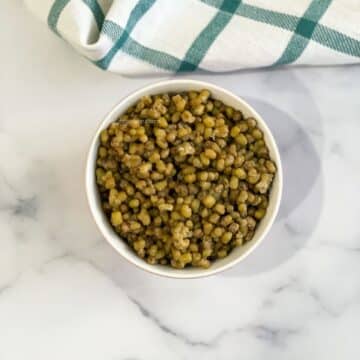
x: 184, y: 178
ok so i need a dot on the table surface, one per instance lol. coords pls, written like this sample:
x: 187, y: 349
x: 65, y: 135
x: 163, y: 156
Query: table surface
x: 65, y: 294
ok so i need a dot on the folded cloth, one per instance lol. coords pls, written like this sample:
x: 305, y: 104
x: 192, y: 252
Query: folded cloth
x: 149, y: 36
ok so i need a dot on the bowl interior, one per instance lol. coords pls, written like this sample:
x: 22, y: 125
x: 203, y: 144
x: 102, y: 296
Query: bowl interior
x: 113, y: 238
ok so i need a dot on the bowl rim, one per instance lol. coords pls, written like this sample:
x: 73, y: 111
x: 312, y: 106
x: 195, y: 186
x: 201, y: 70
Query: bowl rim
x: 95, y: 211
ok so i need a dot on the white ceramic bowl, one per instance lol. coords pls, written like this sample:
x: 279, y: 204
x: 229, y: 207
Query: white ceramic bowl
x: 119, y: 245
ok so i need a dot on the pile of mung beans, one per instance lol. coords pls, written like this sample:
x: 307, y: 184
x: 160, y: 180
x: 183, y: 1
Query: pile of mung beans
x: 184, y: 178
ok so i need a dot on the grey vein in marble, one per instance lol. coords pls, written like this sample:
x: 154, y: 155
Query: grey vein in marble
x: 296, y: 297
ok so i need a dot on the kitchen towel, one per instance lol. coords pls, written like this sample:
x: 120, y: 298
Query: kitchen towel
x: 152, y: 36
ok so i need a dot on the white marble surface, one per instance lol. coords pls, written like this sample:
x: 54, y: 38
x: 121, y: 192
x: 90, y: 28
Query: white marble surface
x: 65, y: 294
